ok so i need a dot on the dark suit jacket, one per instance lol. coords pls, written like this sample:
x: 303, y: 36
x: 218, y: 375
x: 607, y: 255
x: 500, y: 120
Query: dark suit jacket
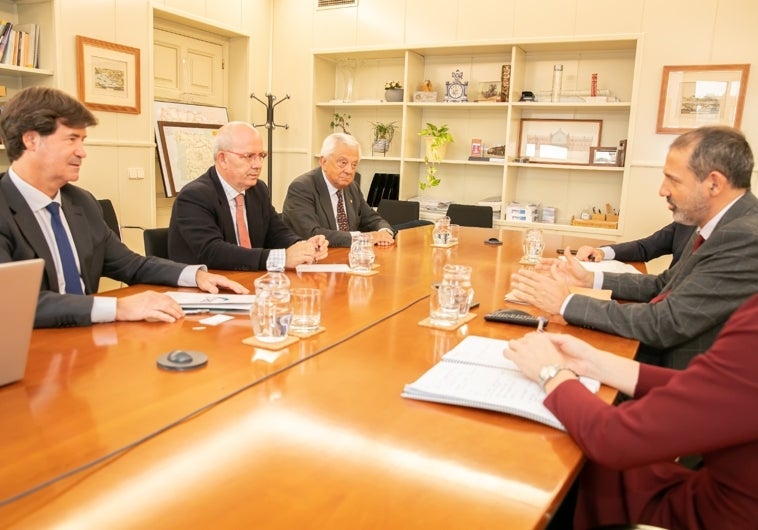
x: 201, y: 229
x: 308, y: 210
x: 99, y: 249
x: 671, y: 239
x: 705, y: 288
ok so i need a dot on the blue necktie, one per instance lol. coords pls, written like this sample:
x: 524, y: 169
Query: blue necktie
x: 70, y: 272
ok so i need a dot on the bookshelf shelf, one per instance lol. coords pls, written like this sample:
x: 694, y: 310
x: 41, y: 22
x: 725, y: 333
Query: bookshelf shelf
x: 569, y: 188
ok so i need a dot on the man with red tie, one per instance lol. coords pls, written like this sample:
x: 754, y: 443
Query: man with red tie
x: 680, y: 311
x: 225, y: 219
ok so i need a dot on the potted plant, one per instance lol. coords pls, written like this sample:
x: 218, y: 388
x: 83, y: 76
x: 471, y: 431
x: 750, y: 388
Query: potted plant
x: 437, y: 138
x: 382, y: 134
x: 340, y: 120
x: 393, y: 91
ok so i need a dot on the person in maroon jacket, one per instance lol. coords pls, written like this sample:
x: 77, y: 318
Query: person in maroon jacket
x: 632, y: 475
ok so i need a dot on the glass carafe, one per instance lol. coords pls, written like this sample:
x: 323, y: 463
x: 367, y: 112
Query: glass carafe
x: 271, y: 313
x: 361, y: 256
x: 459, y: 276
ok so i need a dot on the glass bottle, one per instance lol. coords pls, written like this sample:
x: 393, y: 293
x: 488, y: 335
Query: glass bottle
x: 441, y: 233
x: 459, y: 276
x: 361, y: 256
x: 271, y: 313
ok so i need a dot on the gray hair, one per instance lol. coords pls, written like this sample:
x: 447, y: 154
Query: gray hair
x: 334, y: 140
x: 225, y: 137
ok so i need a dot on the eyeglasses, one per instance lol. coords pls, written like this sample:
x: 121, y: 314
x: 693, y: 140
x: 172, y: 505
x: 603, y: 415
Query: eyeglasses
x: 342, y: 163
x: 249, y: 157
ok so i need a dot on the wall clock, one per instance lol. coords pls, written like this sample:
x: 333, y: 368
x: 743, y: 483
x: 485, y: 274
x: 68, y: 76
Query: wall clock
x: 456, y: 91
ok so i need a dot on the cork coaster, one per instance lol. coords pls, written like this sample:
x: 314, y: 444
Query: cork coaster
x: 306, y: 334
x: 523, y: 261
x: 446, y: 245
x: 252, y: 341
x: 463, y: 320
x: 368, y: 273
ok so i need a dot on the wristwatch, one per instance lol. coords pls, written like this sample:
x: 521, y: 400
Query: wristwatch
x: 550, y: 371
x: 390, y: 231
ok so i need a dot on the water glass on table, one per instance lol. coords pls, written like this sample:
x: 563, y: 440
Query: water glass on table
x: 444, y: 301
x: 306, y: 309
x: 532, y: 245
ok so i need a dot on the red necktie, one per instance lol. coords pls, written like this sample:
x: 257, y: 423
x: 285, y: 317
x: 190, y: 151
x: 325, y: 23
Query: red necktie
x: 342, y: 223
x: 698, y: 241
x: 242, y: 233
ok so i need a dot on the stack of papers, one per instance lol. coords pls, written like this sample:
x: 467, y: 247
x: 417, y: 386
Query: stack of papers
x: 213, y: 302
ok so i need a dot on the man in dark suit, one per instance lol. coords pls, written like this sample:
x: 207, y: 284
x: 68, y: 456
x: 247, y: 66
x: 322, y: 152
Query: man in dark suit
x: 706, y: 184
x: 671, y: 239
x: 313, y: 204
x: 43, y: 216
x: 225, y: 218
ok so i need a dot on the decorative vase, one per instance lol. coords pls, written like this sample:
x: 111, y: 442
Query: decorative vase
x: 394, y: 94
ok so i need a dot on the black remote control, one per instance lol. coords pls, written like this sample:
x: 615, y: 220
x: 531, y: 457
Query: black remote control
x: 515, y: 316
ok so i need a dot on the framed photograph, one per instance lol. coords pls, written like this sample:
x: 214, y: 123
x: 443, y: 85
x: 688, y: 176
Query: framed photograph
x: 187, y: 149
x: 559, y: 141
x: 693, y: 96
x: 603, y: 156
x: 107, y: 75
x: 187, y: 113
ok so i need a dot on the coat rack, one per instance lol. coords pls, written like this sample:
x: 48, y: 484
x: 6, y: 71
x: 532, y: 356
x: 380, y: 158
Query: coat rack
x: 270, y: 125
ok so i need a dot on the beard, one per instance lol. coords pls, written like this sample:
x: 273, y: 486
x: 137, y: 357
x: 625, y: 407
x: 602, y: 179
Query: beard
x: 690, y: 211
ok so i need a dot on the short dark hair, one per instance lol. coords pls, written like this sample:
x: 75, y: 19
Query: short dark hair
x: 718, y: 148
x: 39, y: 109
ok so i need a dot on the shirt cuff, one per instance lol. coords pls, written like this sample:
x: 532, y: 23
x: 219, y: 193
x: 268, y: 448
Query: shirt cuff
x: 279, y: 255
x: 597, y: 283
x: 608, y: 252
x: 565, y: 303
x: 188, y: 277
x: 103, y: 309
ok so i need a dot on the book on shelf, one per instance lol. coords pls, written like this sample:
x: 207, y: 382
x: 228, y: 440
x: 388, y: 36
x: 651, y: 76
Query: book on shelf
x: 475, y: 374
x: 5, y: 32
x: 29, y: 49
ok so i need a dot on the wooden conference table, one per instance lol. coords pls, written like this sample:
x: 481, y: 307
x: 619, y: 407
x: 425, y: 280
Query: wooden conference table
x: 312, y: 436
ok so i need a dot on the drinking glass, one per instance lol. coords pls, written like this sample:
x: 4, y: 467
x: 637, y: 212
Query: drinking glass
x: 441, y: 232
x: 443, y: 305
x: 361, y: 256
x: 459, y: 276
x: 306, y: 309
x: 532, y: 245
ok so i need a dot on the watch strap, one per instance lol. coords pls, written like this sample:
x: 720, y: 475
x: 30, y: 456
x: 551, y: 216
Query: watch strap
x: 550, y: 371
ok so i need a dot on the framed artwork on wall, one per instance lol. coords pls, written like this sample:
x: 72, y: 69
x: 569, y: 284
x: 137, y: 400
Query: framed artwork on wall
x: 557, y: 141
x: 108, y: 76
x: 694, y: 96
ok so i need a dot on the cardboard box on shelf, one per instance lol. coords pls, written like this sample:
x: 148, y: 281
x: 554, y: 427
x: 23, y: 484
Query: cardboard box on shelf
x: 521, y: 212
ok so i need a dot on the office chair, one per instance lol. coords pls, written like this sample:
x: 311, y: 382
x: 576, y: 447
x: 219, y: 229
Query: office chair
x: 156, y: 242
x: 109, y: 215
x: 470, y: 215
x: 396, y: 212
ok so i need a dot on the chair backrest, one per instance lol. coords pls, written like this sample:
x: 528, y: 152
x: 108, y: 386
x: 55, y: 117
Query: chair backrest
x: 470, y: 215
x: 109, y: 214
x: 156, y: 242
x: 396, y: 212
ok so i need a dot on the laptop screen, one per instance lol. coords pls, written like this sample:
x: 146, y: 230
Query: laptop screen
x: 20, y: 283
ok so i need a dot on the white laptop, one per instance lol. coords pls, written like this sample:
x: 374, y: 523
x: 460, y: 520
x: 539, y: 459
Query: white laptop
x: 19, y: 283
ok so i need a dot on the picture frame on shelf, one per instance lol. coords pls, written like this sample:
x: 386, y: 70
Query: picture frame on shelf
x: 697, y: 95
x: 187, y: 149
x: 558, y: 141
x: 603, y: 156
x: 108, y: 75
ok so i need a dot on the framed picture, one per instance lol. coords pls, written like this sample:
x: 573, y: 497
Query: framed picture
x: 107, y: 75
x: 187, y: 149
x: 603, y: 156
x: 693, y: 96
x: 559, y: 141
x: 189, y: 114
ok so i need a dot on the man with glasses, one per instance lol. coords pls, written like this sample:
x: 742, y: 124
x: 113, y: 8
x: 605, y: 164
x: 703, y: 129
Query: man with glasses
x: 225, y: 218
x: 327, y: 201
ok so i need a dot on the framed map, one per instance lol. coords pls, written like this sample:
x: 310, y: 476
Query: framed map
x: 185, y: 114
x: 187, y: 149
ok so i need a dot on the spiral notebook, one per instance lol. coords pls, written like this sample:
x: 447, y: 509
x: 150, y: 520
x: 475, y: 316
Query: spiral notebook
x: 475, y: 374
